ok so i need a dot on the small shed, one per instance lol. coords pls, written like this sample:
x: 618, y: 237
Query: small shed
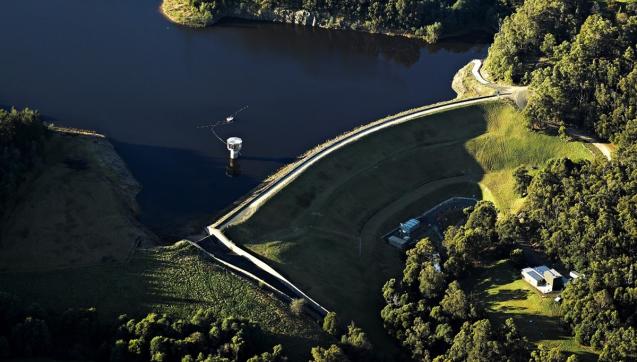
x: 409, y: 226
x: 573, y: 274
x: 544, y: 279
x: 397, y: 242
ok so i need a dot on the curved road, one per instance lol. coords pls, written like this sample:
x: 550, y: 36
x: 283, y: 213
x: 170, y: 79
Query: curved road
x: 225, y: 251
x: 250, y: 205
x: 519, y: 95
x: 222, y: 248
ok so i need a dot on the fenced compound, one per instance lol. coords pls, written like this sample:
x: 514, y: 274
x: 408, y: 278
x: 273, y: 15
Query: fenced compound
x: 435, y: 219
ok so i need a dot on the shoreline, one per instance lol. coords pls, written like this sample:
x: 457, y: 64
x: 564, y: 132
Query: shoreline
x: 77, y: 208
x: 178, y: 13
x: 466, y: 73
x: 274, y: 184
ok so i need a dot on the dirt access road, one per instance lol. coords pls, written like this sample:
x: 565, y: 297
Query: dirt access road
x: 520, y: 95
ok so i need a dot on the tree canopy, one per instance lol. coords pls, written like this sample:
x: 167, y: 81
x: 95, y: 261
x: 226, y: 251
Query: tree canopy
x: 428, y: 19
x: 577, y: 56
x: 429, y: 312
x: 22, y: 136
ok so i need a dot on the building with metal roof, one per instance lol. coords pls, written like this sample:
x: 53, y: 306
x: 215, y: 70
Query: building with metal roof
x: 543, y: 278
x: 409, y: 226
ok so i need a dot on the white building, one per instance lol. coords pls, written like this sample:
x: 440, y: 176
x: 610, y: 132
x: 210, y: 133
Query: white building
x: 543, y: 279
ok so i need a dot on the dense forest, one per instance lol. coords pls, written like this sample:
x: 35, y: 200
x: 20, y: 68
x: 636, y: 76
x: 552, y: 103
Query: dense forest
x: 577, y: 56
x: 22, y: 136
x: 76, y: 334
x: 430, y: 314
x: 428, y: 19
x: 28, y: 331
x: 585, y: 214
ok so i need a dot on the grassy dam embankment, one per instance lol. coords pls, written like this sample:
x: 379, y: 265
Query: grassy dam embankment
x: 323, y: 232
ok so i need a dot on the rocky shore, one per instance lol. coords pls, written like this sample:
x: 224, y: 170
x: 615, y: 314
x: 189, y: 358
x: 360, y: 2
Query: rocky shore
x: 180, y: 12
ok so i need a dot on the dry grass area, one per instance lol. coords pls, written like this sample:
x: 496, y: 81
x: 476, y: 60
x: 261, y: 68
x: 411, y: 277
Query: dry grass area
x: 324, y: 230
x: 77, y: 208
x: 466, y: 86
x: 181, y: 12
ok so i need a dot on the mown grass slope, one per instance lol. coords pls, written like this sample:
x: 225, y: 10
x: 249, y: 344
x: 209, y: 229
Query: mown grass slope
x: 323, y: 231
x: 174, y: 280
x: 507, y: 144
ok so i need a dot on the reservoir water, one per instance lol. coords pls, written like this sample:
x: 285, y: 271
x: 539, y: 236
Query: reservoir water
x: 120, y: 68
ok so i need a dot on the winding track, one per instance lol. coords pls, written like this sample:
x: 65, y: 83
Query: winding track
x: 520, y: 96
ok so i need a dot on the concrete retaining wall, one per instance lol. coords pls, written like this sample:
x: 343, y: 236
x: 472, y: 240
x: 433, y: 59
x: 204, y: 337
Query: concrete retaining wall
x: 239, y: 251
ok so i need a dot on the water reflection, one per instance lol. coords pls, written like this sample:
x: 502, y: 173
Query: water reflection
x: 312, y: 43
x: 180, y: 186
x: 118, y: 67
x: 233, y: 169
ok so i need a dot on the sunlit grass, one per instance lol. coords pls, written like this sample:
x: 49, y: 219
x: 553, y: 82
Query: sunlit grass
x: 500, y: 288
x: 507, y: 144
x: 181, y: 12
x: 174, y: 280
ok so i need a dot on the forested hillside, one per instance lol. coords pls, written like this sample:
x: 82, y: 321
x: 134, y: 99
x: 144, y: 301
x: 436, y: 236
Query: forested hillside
x: 28, y: 331
x: 22, y: 136
x: 432, y: 316
x: 585, y: 214
x: 429, y: 19
x: 577, y: 56
x: 427, y: 310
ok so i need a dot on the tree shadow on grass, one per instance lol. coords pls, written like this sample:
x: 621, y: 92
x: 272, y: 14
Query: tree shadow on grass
x: 491, y: 276
x: 509, y: 294
x: 540, y: 329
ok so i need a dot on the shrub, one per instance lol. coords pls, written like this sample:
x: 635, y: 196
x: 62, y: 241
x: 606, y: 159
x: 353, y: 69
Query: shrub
x: 517, y: 257
x: 330, y: 324
x: 296, y: 306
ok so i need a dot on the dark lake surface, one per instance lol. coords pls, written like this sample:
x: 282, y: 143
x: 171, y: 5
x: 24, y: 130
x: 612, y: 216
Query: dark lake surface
x: 120, y: 68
